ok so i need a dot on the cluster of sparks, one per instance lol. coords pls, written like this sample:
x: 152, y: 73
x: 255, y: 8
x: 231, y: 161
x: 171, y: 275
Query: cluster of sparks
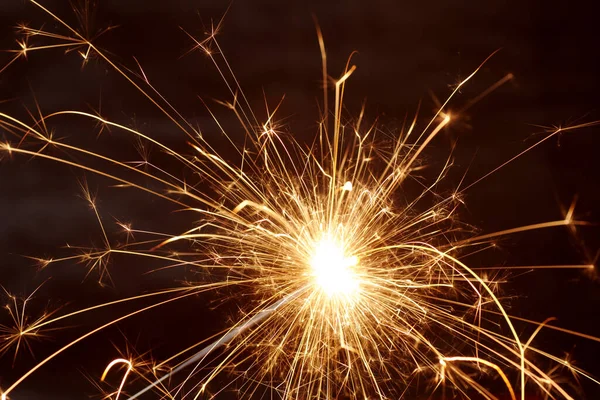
x: 358, y: 288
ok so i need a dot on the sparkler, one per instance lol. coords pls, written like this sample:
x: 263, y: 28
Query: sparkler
x: 357, y: 289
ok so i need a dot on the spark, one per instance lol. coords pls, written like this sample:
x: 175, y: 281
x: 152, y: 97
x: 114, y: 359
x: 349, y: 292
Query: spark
x: 22, y: 328
x: 347, y: 287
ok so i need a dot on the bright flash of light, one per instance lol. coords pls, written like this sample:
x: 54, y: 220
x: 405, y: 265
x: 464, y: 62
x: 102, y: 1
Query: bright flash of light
x: 350, y: 282
x: 333, y: 270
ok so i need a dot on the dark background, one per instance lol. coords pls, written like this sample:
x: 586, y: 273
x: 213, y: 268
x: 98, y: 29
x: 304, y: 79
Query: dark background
x: 405, y: 51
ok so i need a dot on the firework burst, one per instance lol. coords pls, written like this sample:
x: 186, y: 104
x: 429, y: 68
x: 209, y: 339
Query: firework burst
x: 349, y: 285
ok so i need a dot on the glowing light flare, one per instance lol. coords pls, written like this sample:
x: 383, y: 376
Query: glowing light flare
x: 333, y: 270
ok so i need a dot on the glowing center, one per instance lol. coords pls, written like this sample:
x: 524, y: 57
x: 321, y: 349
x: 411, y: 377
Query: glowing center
x: 332, y: 269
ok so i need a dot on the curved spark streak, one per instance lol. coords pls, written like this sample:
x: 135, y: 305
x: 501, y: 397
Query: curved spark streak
x: 124, y: 379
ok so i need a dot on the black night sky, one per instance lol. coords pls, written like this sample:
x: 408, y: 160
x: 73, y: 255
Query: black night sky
x: 408, y: 52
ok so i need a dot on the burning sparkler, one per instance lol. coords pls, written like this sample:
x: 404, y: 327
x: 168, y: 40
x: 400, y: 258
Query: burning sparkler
x: 358, y: 290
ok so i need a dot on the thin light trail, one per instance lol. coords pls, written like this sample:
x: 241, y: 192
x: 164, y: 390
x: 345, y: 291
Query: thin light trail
x: 223, y: 340
x: 534, y: 267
